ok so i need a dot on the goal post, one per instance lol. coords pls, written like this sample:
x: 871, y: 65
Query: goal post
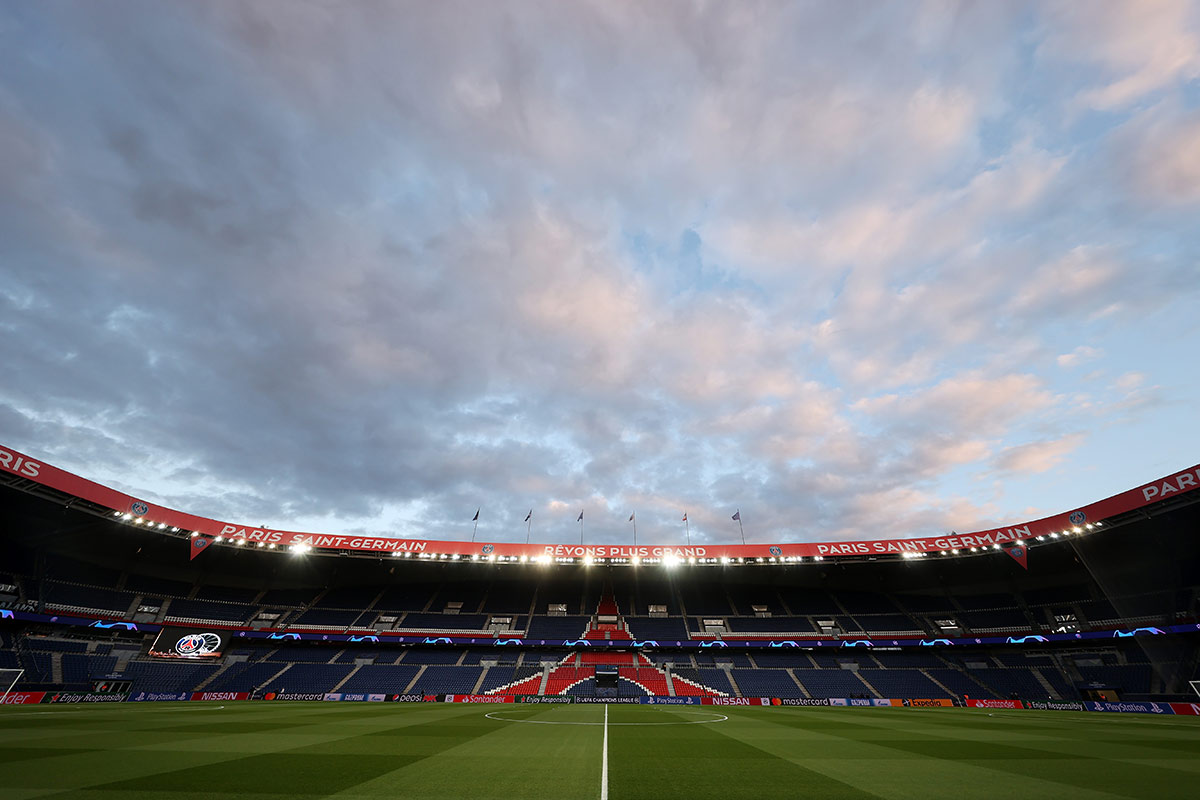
x: 1195, y: 687
x: 8, y: 679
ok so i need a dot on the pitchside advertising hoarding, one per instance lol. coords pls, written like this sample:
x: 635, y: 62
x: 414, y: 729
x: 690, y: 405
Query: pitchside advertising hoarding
x: 23, y: 698
x: 1126, y: 707
x: 18, y: 463
x: 189, y: 643
x: 995, y: 703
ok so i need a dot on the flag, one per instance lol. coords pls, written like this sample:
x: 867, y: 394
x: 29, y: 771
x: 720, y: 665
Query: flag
x: 1020, y: 554
x: 476, y: 517
x: 737, y: 515
x: 529, y: 516
x: 684, y: 517
x: 631, y: 516
x: 199, y: 545
x: 580, y: 517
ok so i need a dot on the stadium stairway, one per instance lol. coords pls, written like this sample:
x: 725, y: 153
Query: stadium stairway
x: 634, y: 669
x: 349, y: 675
x: 416, y: 681
x: 225, y: 665
x: 1050, y: 690
x: 925, y: 672
x: 274, y: 677
x: 531, y: 685
x: 737, y: 691
x: 792, y: 675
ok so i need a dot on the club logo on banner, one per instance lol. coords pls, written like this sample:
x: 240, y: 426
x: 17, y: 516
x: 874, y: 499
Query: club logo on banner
x: 199, y: 545
x: 1020, y: 554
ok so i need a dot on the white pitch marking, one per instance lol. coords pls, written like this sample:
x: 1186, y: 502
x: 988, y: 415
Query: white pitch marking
x: 604, y: 763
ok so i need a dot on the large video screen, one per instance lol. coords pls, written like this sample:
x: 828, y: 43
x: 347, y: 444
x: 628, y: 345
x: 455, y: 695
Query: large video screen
x: 188, y: 643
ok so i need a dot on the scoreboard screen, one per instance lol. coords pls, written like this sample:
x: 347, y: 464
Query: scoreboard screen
x: 188, y: 643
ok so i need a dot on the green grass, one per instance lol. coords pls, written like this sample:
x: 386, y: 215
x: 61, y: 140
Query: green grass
x: 194, y: 751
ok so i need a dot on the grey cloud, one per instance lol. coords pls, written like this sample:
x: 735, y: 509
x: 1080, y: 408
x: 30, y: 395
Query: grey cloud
x: 372, y: 267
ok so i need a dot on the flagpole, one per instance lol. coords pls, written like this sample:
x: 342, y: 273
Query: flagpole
x: 581, y: 527
x: 633, y: 519
x: 475, y: 530
x: 687, y: 528
x: 740, y: 528
x: 528, y: 525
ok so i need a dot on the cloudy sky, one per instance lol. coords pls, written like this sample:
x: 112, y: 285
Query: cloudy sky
x: 859, y: 270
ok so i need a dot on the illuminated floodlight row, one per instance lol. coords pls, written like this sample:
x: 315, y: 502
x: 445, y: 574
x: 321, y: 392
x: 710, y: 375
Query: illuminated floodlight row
x: 668, y: 561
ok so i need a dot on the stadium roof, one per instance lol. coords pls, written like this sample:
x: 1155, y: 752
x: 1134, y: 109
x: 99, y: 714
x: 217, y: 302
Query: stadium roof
x: 26, y: 472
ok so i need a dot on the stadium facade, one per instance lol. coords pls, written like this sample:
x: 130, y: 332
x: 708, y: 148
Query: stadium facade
x: 104, y: 595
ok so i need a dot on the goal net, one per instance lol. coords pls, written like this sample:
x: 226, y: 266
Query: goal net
x: 1195, y: 687
x: 8, y: 679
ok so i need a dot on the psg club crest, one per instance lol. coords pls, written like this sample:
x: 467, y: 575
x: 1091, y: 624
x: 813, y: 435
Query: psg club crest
x: 776, y: 551
x: 1077, y: 518
x: 198, y: 644
x: 139, y: 508
x: 487, y: 549
x: 199, y: 545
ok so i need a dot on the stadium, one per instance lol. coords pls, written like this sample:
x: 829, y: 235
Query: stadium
x: 656, y: 400
x: 944, y: 651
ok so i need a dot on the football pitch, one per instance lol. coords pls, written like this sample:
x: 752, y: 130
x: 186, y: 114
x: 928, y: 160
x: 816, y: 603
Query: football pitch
x: 178, y: 751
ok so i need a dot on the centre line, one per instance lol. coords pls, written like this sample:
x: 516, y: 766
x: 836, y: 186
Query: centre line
x: 604, y: 761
